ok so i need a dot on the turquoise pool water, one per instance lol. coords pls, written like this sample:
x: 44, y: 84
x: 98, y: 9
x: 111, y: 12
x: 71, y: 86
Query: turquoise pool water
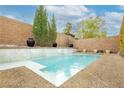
x: 60, y: 68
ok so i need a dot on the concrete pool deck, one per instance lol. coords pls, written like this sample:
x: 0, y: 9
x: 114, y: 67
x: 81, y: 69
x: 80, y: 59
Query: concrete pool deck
x: 108, y: 71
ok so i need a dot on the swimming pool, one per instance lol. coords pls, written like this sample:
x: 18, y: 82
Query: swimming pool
x: 58, y: 69
x: 56, y: 65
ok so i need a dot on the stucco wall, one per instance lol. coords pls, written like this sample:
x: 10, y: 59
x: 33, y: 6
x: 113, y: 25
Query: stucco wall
x: 63, y: 40
x: 109, y: 43
x: 14, y: 32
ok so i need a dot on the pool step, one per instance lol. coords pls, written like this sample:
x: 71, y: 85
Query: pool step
x: 29, y: 64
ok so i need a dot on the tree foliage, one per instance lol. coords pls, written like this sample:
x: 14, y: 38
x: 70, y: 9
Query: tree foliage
x: 53, y: 29
x: 44, y: 31
x: 122, y: 37
x: 91, y: 28
x: 68, y: 28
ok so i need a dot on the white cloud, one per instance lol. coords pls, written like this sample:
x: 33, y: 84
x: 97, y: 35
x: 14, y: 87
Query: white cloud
x: 85, y: 17
x: 113, y: 22
x: 68, y: 13
x: 113, y: 15
x: 10, y: 16
x: 67, y: 10
x: 15, y: 18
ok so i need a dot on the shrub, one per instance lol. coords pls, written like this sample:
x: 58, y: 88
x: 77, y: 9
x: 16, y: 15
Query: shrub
x: 122, y: 38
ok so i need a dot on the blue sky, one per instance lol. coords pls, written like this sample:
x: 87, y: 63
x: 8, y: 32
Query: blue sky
x: 111, y: 13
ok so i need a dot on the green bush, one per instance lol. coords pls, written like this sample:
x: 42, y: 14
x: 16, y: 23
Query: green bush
x: 122, y: 37
x: 68, y: 28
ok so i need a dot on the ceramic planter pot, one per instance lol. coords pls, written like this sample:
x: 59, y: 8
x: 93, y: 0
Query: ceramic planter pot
x: 70, y: 45
x: 54, y: 44
x: 30, y: 42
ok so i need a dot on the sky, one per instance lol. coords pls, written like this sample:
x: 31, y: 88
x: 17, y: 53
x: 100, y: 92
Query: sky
x: 112, y: 14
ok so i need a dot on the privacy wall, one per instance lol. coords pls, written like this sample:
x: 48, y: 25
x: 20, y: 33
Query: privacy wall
x: 16, y: 33
x: 109, y: 43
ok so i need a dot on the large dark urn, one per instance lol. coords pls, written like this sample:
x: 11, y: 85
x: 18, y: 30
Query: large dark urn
x: 70, y: 45
x: 30, y: 42
x: 54, y: 44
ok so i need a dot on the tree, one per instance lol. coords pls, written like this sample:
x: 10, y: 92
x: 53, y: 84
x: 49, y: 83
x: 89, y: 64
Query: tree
x: 53, y: 29
x: 40, y: 26
x: 122, y: 38
x: 44, y: 31
x: 91, y: 28
x: 52, y: 35
x: 68, y: 28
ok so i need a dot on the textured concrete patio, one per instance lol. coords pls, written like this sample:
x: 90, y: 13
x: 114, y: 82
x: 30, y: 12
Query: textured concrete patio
x: 108, y: 71
x: 22, y: 77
